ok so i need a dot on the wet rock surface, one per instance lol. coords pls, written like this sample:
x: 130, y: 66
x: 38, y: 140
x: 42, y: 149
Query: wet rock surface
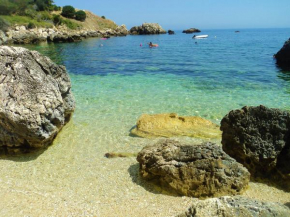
x: 259, y: 138
x: 237, y: 206
x: 202, y: 170
x: 35, y: 98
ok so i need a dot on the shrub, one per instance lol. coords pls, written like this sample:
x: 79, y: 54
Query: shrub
x: 80, y: 15
x: 57, y: 20
x: 103, y: 17
x: 68, y: 11
x: 31, y: 25
x: 7, y: 7
x: 4, y: 25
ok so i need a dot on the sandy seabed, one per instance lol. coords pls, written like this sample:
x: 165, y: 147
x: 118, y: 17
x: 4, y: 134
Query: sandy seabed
x: 73, y: 178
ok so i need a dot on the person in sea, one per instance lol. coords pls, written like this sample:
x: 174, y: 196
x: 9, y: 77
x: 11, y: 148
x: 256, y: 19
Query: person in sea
x: 153, y: 45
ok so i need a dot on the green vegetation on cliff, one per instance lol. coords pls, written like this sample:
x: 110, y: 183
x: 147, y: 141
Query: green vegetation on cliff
x: 44, y: 13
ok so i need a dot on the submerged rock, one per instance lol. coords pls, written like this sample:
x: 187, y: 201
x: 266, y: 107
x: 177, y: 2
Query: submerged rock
x: 35, y: 98
x: 202, y: 170
x: 259, y: 138
x: 169, y: 125
x: 191, y: 30
x: 147, y: 29
x: 283, y: 55
x: 237, y: 206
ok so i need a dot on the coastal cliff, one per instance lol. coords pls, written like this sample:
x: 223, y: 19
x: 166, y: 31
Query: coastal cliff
x: 93, y: 26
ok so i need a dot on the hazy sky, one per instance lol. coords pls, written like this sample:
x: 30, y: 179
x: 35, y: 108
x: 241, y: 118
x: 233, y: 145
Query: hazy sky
x: 180, y: 14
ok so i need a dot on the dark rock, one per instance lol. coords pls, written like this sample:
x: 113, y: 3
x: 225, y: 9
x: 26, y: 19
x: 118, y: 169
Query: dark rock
x: 202, y: 170
x: 259, y: 138
x: 235, y: 207
x: 170, y: 32
x: 147, y: 29
x: 191, y: 30
x: 283, y: 55
x: 35, y: 98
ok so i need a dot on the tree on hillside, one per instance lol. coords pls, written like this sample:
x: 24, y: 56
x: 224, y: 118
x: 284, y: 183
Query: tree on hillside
x: 68, y: 11
x: 81, y: 15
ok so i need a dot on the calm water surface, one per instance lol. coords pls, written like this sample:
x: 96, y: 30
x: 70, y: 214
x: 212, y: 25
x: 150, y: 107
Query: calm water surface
x: 113, y: 85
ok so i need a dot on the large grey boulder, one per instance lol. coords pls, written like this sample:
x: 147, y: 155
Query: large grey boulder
x: 235, y: 207
x: 147, y: 29
x: 35, y: 98
x: 259, y: 138
x: 202, y: 170
x: 283, y: 55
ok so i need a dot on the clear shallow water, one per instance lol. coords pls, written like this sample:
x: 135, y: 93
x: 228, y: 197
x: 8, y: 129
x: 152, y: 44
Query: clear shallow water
x: 116, y: 83
x: 226, y: 71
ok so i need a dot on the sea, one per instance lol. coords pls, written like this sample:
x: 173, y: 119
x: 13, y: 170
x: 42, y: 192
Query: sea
x: 114, y: 82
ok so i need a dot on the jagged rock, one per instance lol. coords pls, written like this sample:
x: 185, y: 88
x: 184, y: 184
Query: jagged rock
x: 121, y: 30
x: 237, y: 206
x: 259, y: 138
x: 283, y: 55
x: 170, y: 32
x: 169, y: 125
x: 26, y: 37
x: 147, y: 29
x: 191, y: 30
x: 35, y: 98
x: 202, y: 170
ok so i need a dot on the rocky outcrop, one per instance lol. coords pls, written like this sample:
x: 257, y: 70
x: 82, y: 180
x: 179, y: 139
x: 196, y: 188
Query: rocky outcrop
x: 235, y: 207
x: 22, y: 35
x: 283, y: 55
x: 169, y: 125
x: 202, y: 170
x: 147, y: 29
x: 35, y: 99
x: 259, y: 138
x: 170, y: 32
x: 191, y: 30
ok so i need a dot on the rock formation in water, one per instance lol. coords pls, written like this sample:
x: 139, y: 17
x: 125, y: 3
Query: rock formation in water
x: 147, y: 29
x: 170, y: 32
x: 202, y: 170
x: 191, y: 30
x: 259, y: 138
x: 35, y: 98
x: 283, y: 55
x: 237, y: 206
x: 169, y: 125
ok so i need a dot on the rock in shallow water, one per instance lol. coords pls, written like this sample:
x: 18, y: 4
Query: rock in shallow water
x: 235, y: 207
x: 35, y: 98
x: 202, y: 170
x: 169, y: 125
x: 283, y: 55
x: 259, y: 138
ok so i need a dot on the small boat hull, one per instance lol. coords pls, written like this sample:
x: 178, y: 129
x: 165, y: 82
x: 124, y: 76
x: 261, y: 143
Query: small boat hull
x: 200, y: 36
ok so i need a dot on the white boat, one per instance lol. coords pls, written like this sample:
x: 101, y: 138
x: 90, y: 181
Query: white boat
x: 200, y: 36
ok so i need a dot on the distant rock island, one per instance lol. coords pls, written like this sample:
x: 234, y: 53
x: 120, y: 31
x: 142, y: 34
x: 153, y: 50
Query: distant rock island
x: 147, y: 29
x: 191, y: 30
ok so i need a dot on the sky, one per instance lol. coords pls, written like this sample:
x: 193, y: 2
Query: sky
x: 183, y: 14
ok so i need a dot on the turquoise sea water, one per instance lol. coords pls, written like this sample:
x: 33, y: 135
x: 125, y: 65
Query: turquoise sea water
x: 113, y: 85
x: 226, y: 71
